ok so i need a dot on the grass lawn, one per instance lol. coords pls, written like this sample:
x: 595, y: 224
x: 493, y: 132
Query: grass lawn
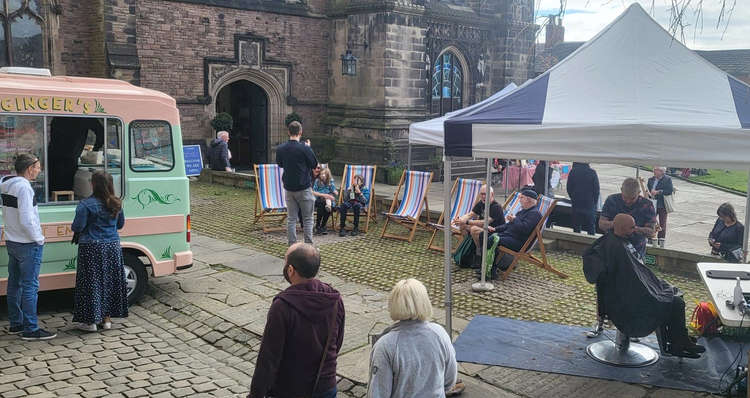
x: 733, y: 179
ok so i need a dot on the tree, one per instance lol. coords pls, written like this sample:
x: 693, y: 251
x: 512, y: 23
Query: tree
x: 681, y: 13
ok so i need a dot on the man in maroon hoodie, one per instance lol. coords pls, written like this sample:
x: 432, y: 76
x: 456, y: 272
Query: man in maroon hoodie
x: 304, y: 320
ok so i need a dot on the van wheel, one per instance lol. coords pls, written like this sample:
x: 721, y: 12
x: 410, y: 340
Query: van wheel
x: 136, y: 278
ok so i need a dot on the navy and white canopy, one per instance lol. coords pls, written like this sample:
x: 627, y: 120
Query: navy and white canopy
x: 632, y: 94
x: 430, y: 132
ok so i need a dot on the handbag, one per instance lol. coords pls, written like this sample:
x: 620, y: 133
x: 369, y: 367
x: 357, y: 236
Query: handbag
x: 669, y: 202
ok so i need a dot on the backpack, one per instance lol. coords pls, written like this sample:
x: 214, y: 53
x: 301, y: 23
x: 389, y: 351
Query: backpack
x: 465, y: 252
x: 705, y: 319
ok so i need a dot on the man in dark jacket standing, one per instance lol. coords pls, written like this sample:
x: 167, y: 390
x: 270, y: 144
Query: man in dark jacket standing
x: 583, y: 189
x: 298, y: 161
x: 219, y: 152
x: 540, y: 175
x: 303, y: 335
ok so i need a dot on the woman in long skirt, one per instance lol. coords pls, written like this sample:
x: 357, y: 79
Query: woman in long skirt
x: 100, y: 277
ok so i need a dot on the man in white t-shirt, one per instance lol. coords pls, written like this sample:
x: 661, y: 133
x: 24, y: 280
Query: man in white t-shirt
x: 24, y: 241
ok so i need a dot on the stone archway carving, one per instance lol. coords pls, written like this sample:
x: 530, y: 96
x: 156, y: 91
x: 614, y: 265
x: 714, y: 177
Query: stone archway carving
x: 250, y: 64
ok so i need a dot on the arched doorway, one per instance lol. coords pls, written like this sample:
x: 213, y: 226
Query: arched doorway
x: 248, y: 105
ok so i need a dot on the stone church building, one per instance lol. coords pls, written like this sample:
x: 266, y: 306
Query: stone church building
x: 358, y: 72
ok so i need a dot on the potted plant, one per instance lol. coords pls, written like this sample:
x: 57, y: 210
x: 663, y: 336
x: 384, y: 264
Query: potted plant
x: 394, y: 172
x: 222, y: 122
x: 291, y: 118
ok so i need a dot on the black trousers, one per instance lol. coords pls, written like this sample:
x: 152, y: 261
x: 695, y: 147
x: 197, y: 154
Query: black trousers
x: 322, y: 214
x: 677, y: 333
x: 584, y: 219
x: 344, y: 208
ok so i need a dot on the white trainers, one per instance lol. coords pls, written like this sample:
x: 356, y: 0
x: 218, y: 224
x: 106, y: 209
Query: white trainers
x: 107, y: 325
x: 87, y: 327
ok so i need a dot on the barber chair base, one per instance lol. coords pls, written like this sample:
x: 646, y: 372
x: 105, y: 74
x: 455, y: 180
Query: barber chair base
x: 634, y: 355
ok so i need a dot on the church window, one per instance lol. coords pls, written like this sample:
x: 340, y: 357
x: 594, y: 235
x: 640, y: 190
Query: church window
x: 21, y: 37
x: 447, y: 84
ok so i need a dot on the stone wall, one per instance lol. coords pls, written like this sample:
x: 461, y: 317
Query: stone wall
x: 174, y: 41
x: 79, y: 38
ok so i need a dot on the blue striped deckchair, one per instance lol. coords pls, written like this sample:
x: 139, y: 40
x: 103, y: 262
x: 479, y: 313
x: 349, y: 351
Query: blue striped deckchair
x: 545, y: 206
x: 368, y: 173
x: 464, y: 195
x: 271, y: 198
x: 416, y: 184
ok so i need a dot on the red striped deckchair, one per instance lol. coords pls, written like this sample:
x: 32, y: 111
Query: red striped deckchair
x: 416, y: 184
x: 545, y: 206
x: 464, y: 195
x: 368, y: 173
x: 271, y: 198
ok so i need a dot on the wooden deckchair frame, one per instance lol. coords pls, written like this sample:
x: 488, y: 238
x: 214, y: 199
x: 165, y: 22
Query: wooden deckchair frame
x: 455, y: 233
x: 523, y: 254
x: 368, y: 211
x: 407, y: 222
x: 262, y: 214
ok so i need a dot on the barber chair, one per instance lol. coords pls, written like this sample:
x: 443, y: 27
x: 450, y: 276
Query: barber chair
x: 622, y: 352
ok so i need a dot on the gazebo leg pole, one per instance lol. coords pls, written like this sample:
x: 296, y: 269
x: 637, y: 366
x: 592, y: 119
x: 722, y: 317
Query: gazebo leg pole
x: 408, y: 157
x: 483, y: 285
x: 747, y: 221
x: 447, y: 245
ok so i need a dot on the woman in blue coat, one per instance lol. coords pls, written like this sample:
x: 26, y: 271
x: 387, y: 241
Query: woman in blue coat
x: 100, y: 277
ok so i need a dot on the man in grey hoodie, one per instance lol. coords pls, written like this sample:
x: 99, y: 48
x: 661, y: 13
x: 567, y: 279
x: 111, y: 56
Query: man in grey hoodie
x: 24, y: 241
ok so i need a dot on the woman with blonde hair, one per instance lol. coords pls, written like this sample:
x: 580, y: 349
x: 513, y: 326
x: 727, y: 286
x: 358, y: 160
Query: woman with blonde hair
x: 101, y: 291
x: 413, y: 357
x: 325, y: 200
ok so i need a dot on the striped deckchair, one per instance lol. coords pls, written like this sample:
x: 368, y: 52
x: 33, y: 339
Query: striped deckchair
x: 271, y: 201
x: 416, y: 184
x: 464, y: 195
x: 545, y: 206
x: 368, y: 173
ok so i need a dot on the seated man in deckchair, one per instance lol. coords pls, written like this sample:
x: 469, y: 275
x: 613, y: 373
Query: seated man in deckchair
x: 473, y: 222
x: 514, y: 233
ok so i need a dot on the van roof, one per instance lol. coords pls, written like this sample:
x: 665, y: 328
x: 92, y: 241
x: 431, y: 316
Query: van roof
x: 71, y: 84
x: 148, y: 101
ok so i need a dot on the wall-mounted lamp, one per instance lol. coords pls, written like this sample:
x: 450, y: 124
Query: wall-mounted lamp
x: 348, y: 64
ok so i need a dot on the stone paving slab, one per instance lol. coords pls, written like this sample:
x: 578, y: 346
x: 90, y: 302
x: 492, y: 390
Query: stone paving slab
x: 197, y: 333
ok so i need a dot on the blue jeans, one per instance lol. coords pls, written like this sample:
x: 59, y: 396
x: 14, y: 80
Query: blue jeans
x: 24, y: 262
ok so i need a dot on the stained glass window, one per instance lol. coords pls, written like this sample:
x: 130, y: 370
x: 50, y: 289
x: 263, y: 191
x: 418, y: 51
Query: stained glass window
x: 21, y: 39
x: 447, y: 84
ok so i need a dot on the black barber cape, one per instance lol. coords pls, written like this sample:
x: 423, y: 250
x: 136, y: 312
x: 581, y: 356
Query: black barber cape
x: 634, y: 299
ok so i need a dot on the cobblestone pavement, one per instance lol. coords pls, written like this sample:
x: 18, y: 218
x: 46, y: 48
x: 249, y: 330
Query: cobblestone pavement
x: 380, y: 263
x: 197, y: 333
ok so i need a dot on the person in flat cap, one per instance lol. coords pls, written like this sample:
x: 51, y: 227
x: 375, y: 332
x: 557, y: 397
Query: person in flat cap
x: 518, y: 228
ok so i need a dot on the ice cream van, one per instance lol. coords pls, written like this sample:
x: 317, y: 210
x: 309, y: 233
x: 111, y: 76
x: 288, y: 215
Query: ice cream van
x: 76, y: 126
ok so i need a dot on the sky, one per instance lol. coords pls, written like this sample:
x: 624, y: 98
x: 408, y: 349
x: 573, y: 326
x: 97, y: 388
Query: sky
x: 585, y: 18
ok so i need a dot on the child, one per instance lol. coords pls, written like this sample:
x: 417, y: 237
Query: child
x: 354, y: 198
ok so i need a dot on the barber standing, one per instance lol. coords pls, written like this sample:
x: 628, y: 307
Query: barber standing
x: 24, y: 241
